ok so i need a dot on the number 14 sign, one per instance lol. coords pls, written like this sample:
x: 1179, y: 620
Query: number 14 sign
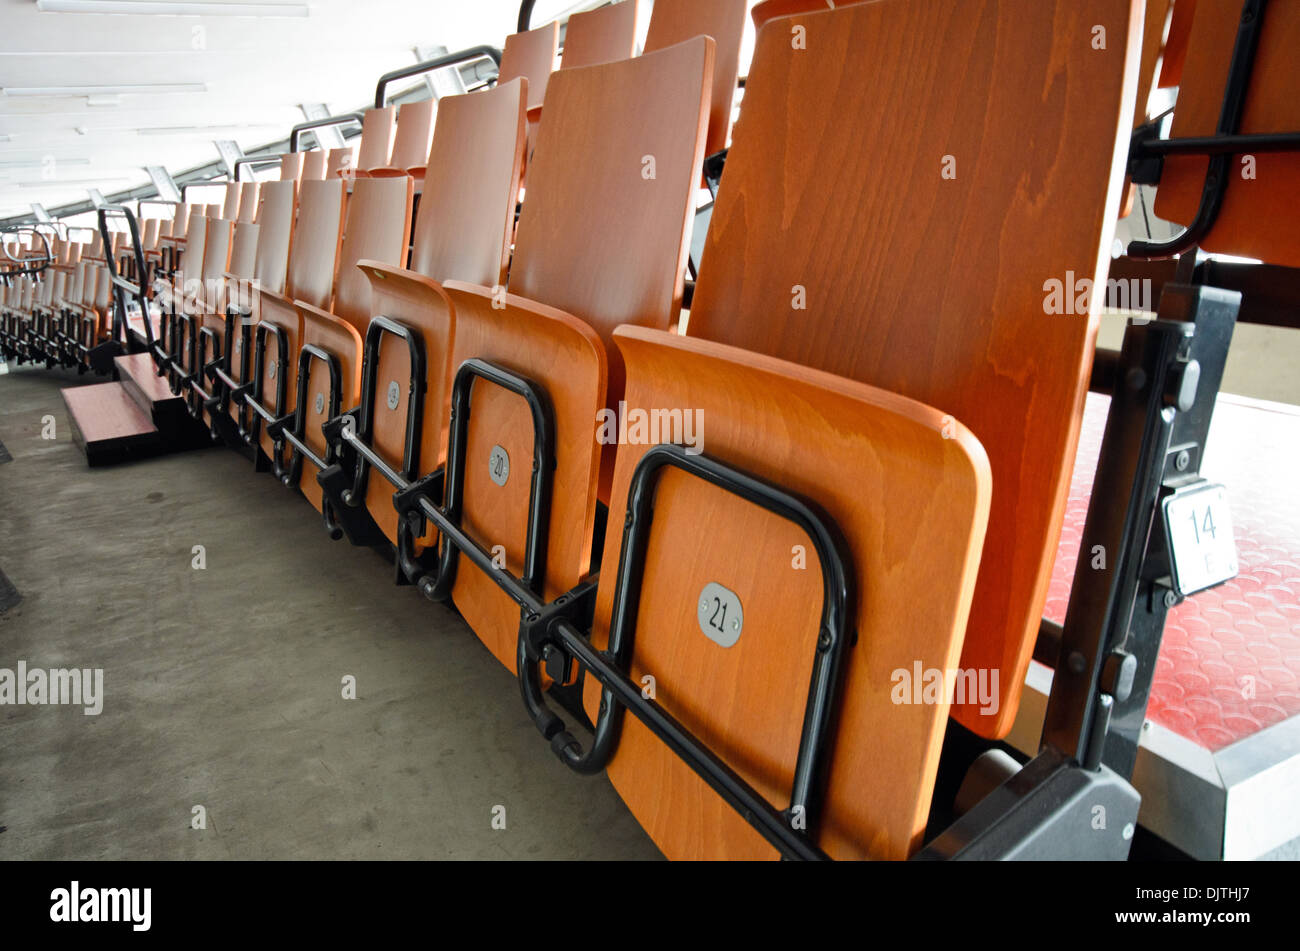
x: 1201, y: 543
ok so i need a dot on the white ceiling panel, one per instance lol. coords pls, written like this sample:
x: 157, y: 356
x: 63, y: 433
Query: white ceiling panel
x: 71, y: 119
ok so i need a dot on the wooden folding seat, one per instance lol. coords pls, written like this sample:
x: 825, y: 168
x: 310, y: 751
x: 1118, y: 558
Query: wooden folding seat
x: 378, y: 229
x: 806, y: 264
x: 673, y: 21
x: 313, y: 165
x: 850, y: 290
x: 532, y: 56
x: 376, y: 147
x: 573, y: 279
x: 341, y: 162
x: 462, y: 232
x: 230, y: 203
x: 258, y: 263
x: 741, y: 607
x: 602, y: 35
x: 198, y: 341
x: 411, y: 141
x: 1249, y: 223
x: 291, y: 166
x: 248, y: 193
x: 277, y: 338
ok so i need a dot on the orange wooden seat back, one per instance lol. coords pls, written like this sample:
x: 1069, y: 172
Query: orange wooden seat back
x: 317, y: 234
x: 675, y: 20
x: 412, y: 138
x: 243, y: 250
x: 341, y: 162
x: 377, y: 227
x: 602, y: 35
x: 598, y: 265
x: 230, y: 204
x: 531, y: 55
x: 378, y: 224
x: 577, y: 277
x: 376, y: 138
x: 248, y: 201
x: 815, y: 257
x: 913, y: 549
x: 276, y: 211
x: 313, y: 165
x: 291, y: 166
x: 1251, y: 222
x: 1175, y: 53
x: 463, y: 232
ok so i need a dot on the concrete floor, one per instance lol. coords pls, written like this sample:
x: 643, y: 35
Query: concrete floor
x: 223, y: 687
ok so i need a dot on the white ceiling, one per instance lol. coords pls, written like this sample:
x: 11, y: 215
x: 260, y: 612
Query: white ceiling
x: 255, y: 73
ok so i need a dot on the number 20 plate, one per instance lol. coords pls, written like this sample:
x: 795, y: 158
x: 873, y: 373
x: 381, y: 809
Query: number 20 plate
x: 1201, y: 543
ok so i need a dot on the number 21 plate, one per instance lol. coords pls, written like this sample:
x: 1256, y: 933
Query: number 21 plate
x: 1201, y: 543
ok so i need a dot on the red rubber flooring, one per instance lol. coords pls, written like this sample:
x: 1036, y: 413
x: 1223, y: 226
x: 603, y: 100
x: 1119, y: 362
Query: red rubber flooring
x: 1229, y: 664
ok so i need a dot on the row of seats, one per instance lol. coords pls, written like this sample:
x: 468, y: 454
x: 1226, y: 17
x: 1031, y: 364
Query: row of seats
x: 883, y: 449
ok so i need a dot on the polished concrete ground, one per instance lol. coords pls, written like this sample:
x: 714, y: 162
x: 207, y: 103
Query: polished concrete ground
x: 223, y: 686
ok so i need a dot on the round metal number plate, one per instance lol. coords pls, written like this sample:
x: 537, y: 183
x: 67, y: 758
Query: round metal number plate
x: 394, y: 394
x: 320, y: 402
x: 719, y: 614
x: 499, y: 465
x: 238, y: 345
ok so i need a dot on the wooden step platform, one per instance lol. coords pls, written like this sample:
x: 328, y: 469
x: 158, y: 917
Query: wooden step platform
x: 153, y: 395
x: 109, y: 425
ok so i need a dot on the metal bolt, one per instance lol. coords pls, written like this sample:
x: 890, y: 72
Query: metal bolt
x: 1077, y: 662
x: 1136, y: 378
x: 1171, y: 599
x: 735, y: 625
x: 1182, y: 461
x: 1128, y: 831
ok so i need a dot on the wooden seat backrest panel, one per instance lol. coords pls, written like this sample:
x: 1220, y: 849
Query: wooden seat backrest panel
x: 463, y: 232
x: 216, y: 257
x: 291, y: 166
x: 230, y: 204
x: 243, y: 250
x: 378, y: 225
x: 313, y: 165
x: 675, y: 20
x: 341, y: 161
x: 277, y: 208
x: 566, y: 358
x: 310, y: 278
x: 316, y: 239
x: 414, y: 135
x: 376, y: 138
x: 908, y: 490
x: 836, y: 271
x: 467, y: 206
x: 248, y: 201
x: 1249, y: 223
x: 621, y: 260
x: 603, y: 35
x: 1180, y: 31
x: 531, y: 55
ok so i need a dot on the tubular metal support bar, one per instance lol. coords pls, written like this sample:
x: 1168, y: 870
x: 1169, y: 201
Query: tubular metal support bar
x: 295, y: 134
x: 429, y: 66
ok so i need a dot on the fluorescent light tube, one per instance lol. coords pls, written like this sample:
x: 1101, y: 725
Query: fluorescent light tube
x: 172, y: 8
x: 141, y: 89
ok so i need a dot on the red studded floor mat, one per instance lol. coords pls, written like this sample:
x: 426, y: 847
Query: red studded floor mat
x: 1229, y: 664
